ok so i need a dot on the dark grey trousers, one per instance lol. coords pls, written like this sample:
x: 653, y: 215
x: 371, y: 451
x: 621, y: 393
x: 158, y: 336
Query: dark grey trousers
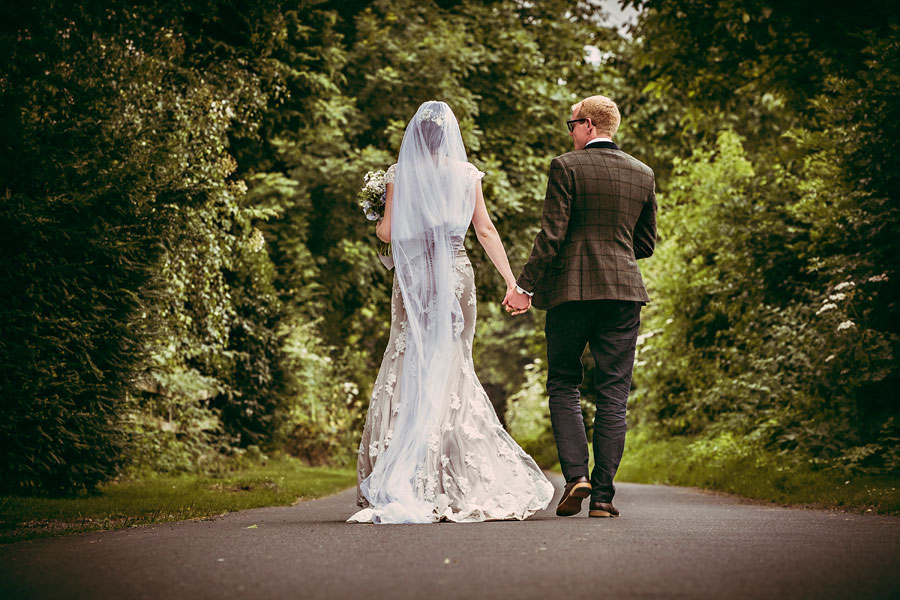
x: 609, y: 328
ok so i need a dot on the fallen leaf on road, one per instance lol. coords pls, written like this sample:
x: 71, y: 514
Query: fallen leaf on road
x: 253, y: 527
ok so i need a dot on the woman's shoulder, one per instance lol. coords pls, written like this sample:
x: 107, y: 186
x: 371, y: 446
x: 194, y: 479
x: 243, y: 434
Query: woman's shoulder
x: 473, y: 171
x: 390, y: 173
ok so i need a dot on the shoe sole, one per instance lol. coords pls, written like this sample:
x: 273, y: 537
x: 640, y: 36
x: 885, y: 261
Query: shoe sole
x: 571, y: 504
x: 601, y: 514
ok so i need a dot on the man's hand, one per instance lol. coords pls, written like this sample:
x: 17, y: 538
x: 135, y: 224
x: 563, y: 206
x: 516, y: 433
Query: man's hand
x: 515, y: 302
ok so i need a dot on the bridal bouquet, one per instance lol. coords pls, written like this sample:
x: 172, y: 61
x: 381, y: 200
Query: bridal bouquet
x: 372, y: 198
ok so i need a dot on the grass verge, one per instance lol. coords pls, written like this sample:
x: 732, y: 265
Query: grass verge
x: 731, y: 465
x: 158, y: 498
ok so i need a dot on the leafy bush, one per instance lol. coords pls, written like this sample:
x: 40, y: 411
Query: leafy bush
x: 528, y: 418
x: 131, y: 242
x: 79, y: 221
x: 744, y: 339
x: 327, y: 411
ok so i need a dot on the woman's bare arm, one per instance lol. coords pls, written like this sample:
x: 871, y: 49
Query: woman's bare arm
x: 490, y: 239
x: 383, y: 228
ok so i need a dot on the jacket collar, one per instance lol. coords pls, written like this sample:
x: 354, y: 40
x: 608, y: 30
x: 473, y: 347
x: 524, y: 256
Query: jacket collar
x: 609, y: 145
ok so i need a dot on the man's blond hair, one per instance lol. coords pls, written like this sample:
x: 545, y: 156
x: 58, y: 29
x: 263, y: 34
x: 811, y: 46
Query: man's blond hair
x: 602, y: 112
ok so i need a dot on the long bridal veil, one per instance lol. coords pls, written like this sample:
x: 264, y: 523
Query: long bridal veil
x: 433, y: 201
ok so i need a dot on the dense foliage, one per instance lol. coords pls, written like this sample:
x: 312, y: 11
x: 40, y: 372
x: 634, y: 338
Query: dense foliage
x: 188, y: 276
x: 138, y: 311
x: 775, y: 316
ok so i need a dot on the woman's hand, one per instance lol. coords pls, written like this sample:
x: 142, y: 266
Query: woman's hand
x: 380, y: 232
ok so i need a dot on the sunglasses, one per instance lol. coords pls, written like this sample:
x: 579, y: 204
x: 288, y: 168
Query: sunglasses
x: 571, y: 124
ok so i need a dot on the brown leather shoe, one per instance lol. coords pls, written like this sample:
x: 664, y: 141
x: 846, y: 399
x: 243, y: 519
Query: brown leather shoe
x: 602, y: 509
x: 574, y: 492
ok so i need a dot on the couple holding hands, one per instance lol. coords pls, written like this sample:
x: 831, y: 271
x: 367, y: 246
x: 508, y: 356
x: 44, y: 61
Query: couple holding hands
x: 432, y: 447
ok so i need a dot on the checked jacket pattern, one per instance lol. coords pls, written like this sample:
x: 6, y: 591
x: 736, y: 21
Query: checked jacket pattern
x: 599, y: 217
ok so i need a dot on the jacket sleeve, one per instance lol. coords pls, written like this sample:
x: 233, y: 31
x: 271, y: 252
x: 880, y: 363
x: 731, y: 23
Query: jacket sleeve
x: 554, y: 225
x: 645, y: 228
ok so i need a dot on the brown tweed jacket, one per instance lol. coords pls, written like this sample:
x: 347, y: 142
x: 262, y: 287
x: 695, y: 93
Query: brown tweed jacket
x: 599, y: 218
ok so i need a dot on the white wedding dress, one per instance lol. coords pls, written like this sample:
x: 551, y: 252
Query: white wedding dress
x: 457, y: 463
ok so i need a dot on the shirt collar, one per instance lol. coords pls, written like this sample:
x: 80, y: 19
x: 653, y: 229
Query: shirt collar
x: 599, y: 139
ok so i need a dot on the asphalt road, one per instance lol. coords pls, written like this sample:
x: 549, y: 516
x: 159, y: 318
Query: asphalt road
x: 669, y: 543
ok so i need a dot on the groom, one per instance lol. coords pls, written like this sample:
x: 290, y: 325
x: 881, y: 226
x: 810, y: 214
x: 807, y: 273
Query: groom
x: 599, y: 218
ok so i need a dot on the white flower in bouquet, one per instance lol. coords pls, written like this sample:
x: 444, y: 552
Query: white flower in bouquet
x: 372, y: 195
x: 372, y: 198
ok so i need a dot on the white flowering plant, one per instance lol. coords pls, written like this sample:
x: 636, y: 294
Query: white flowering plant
x: 372, y: 198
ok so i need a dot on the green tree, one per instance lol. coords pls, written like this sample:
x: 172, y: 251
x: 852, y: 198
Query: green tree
x: 131, y: 238
x: 774, y: 311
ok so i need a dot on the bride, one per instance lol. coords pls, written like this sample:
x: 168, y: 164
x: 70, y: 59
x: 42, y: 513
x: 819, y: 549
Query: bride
x: 432, y: 447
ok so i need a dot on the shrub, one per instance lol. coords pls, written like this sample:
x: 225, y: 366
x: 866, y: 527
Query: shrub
x: 528, y: 418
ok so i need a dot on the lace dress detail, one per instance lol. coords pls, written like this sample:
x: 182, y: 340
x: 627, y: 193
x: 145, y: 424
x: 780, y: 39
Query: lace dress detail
x: 472, y: 170
x: 474, y: 470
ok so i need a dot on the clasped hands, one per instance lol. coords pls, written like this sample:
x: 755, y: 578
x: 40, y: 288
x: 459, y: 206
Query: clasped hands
x: 516, y: 302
